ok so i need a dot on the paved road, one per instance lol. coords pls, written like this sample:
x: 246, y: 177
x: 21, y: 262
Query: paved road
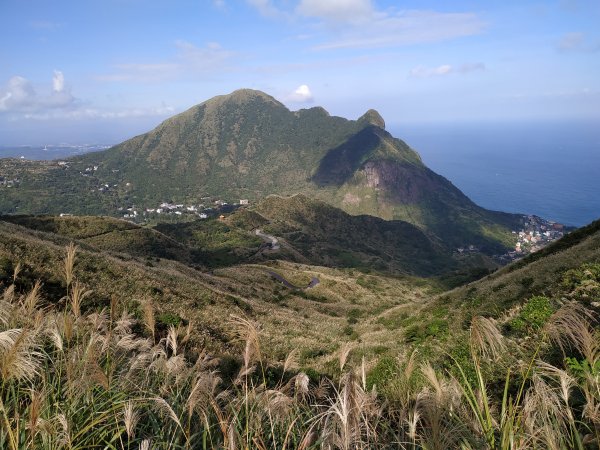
x: 275, y: 246
x: 313, y: 282
x: 269, y: 239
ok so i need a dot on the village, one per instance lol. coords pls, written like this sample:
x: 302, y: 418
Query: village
x: 209, y: 208
x: 535, y: 235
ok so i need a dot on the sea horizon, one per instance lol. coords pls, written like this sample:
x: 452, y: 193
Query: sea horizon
x: 549, y: 169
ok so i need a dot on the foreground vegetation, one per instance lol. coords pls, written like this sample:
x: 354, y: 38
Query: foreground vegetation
x: 74, y: 376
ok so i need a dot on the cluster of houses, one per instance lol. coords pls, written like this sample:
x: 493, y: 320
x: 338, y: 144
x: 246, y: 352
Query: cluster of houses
x: 467, y: 250
x: 6, y: 182
x: 535, y: 235
x: 88, y: 171
x: 201, y: 211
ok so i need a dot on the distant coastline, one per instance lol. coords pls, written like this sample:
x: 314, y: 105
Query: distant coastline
x: 547, y: 169
x: 48, y: 152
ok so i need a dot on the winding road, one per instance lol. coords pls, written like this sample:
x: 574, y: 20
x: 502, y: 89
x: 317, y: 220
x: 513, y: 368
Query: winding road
x: 272, y: 240
x: 275, y: 246
x: 313, y: 282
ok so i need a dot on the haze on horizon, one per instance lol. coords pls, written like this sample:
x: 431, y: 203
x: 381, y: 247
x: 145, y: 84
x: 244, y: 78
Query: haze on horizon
x: 103, y: 71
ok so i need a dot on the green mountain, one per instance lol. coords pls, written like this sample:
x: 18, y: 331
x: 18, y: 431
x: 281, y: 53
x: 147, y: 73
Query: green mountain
x: 248, y: 145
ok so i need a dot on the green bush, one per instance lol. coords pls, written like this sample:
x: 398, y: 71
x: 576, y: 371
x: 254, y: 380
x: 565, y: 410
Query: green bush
x: 417, y: 333
x: 350, y: 332
x: 169, y: 319
x: 533, y: 315
x: 353, y: 315
x: 583, y: 283
x: 383, y: 372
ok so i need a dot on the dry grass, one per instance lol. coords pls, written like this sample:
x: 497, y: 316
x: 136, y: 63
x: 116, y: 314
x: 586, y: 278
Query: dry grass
x: 90, y: 381
x: 76, y: 376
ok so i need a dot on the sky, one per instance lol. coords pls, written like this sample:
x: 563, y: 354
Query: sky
x: 102, y: 71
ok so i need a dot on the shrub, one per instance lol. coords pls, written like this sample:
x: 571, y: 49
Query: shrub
x: 383, y: 372
x: 169, y: 319
x: 533, y: 315
x: 417, y: 333
x: 353, y: 315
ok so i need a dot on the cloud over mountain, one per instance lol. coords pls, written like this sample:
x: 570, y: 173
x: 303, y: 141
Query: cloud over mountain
x: 302, y: 94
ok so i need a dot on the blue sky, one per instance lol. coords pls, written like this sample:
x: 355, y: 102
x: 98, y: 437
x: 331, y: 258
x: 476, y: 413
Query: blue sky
x: 102, y: 71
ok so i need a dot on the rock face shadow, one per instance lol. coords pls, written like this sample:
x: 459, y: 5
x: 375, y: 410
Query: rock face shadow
x: 340, y: 163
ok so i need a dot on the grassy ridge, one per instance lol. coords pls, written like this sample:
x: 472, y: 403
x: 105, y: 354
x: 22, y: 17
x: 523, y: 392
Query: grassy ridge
x: 328, y: 236
x: 207, y: 297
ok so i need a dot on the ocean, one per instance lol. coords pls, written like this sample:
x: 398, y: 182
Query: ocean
x: 551, y: 170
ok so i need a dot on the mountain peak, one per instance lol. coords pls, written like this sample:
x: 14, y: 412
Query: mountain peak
x: 242, y: 96
x: 372, y: 117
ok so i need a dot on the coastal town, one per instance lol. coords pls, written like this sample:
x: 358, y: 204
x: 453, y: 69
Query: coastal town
x: 535, y: 234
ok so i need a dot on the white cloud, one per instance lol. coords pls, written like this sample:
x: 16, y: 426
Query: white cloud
x: 360, y: 24
x: 189, y: 60
x: 267, y: 8
x: 94, y: 113
x: 445, y: 69
x: 20, y: 100
x: 577, y: 42
x: 45, y: 25
x: 388, y: 29
x: 471, y: 67
x: 571, y: 41
x: 337, y: 10
x: 302, y: 94
x: 58, y: 81
x: 202, y: 59
x: 425, y: 72
x: 19, y: 95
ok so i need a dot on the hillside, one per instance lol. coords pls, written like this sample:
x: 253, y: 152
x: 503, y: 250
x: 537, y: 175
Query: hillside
x: 181, y: 294
x: 310, y: 232
x: 107, y: 234
x: 520, y: 296
x: 247, y: 145
x: 164, y: 265
x: 235, y: 355
x: 541, y: 273
x: 329, y: 236
x: 313, y: 232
